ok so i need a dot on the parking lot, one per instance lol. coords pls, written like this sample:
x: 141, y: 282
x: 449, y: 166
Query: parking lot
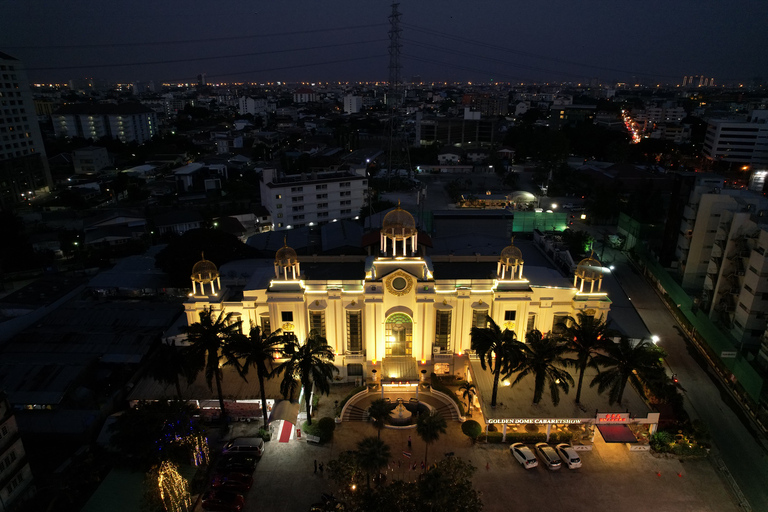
x: 611, y: 476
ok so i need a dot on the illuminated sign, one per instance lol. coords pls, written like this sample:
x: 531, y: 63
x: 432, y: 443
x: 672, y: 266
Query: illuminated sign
x: 524, y: 421
x: 613, y: 417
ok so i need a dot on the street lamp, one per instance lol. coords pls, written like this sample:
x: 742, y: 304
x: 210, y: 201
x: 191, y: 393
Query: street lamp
x: 655, y: 339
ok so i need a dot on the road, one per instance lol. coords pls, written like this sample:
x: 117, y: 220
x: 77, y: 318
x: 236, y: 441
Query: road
x: 742, y: 448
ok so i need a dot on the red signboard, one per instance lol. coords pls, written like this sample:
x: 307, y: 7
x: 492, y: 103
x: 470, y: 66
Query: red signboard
x: 613, y: 417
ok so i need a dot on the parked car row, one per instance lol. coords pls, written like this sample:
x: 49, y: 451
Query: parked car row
x: 552, y: 457
x: 232, y: 477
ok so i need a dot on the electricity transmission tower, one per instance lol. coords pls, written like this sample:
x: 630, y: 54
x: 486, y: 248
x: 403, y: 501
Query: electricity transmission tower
x: 398, y: 156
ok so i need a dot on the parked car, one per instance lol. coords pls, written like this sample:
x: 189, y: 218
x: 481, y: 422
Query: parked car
x: 232, y: 481
x: 549, y: 456
x: 251, y: 445
x: 226, y: 501
x: 569, y: 456
x: 237, y: 463
x: 524, y: 455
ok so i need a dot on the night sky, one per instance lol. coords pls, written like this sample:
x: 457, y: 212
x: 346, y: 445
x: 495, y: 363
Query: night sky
x: 653, y: 41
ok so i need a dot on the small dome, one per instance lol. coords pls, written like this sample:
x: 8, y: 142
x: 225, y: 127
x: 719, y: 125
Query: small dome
x: 589, y: 269
x: 512, y: 254
x: 204, y: 271
x: 398, y: 222
x: 285, y: 256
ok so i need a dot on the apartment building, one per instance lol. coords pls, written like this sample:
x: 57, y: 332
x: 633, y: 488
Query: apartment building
x: 129, y: 122
x: 15, y: 475
x: 312, y: 198
x: 23, y: 164
x: 742, y: 141
x: 352, y: 104
x: 91, y: 159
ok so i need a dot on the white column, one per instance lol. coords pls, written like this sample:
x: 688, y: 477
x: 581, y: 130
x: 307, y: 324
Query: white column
x: 213, y: 291
x: 549, y: 429
x: 521, y: 271
x: 194, y: 290
x: 503, y: 432
x: 218, y: 282
x: 574, y: 280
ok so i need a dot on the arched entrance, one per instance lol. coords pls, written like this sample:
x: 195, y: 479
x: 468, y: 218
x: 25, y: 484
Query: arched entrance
x: 399, y: 335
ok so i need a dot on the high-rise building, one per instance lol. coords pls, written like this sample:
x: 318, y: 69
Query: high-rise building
x: 23, y: 165
x: 738, y: 140
x: 15, y: 475
x: 352, y: 104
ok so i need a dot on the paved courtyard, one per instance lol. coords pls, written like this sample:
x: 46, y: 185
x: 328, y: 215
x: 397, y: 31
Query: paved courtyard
x: 612, y: 478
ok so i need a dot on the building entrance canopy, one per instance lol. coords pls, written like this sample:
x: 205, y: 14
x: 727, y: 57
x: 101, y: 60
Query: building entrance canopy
x: 617, y: 434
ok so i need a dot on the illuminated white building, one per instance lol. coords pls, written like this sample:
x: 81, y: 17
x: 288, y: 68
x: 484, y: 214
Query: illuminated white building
x: 394, y: 312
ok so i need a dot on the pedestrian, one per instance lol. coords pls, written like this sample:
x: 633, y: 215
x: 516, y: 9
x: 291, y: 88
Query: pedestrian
x: 315, y: 466
x: 422, y: 465
x: 488, y: 466
x: 320, y: 466
x: 409, y: 441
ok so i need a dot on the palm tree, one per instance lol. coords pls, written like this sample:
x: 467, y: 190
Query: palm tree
x: 208, y: 349
x: 585, y: 338
x: 500, y: 351
x: 640, y: 364
x: 257, y: 350
x: 168, y: 364
x: 543, y: 357
x: 379, y: 412
x: 307, y: 364
x: 468, y: 391
x: 429, y: 427
x: 372, y: 455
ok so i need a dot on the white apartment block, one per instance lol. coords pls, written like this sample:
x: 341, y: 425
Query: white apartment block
x: 738, y: 140
x: 254, y: 106
x: 352, y: 104
x: 15, y: 475
x: 129, y: 122
x: 313, y: 198
x: 91, y: 159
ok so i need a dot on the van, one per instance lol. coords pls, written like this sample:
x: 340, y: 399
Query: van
x: 247, y: 445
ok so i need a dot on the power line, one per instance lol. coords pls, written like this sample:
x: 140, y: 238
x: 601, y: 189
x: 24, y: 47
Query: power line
x: 189, y: 41
x: 529, y: 54
x: 198, y: 59
x: 282, y: 68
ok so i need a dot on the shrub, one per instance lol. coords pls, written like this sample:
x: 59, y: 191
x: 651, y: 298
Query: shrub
x: 525, y: 437
x: 471, y: 429
x: 266, y: 435
x: 661, y: 441
x: 325, y: 426
x: 492, y: 428
x: 560, y: 437
x: 495, y: 437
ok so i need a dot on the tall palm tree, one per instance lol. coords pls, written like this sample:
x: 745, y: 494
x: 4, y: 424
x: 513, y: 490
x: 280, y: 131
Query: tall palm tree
x: 379, y: 412
x: 429, y: 427
x: 639, y: 364
x: 307, y: 364
x: 257, y: 350
x: 500, y: 351
x: 372, y: 455
x: 468, y: 391
x: 168, y: 364
x: 544, y: 360
x: 208, y: 348
x: 585, y: 338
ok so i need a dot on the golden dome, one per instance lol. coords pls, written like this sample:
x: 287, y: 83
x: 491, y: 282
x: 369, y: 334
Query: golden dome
x: 285, y: 256
x: 398, y: 222
x: 204, y: 271
x: 589, y: 268
x: 512, y: 254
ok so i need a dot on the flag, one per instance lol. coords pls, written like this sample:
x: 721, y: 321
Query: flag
x: 406, y: 454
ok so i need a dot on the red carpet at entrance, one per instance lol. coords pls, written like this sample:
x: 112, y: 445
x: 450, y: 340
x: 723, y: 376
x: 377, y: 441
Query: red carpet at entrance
x: 285, y: 431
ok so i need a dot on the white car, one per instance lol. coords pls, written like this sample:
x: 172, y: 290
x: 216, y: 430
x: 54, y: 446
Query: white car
x: 569, y: 456
x: 524, y: 455
x: 549, y: 456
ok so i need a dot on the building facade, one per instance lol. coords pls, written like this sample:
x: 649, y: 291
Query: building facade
x: 313, y: 198
x: 742, y: 141
x: 15, y: 475
x: 392, y: 315
x: 128, y: 122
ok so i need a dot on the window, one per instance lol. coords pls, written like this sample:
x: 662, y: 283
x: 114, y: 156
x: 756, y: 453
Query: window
x: 266, y: 328
x: 286, y: 316
x: 345, y: 194
x: 559, y: 323
x: 742, y: 306
x: 298, y: 208
x: 509, y: 316
x: 345, y: 203
x: 480, y: 318
x: 346, y: 212
x: 279, y: 205
x: 354, y: 370
x: 321, y: 187
x: 354, y: 331
x: 15, y: 483
x: 345, y: 184
x: 322, y: 205
x: 298, y: 217
x: 297, y: 199
x: 322, y: 196
x: 297, y: 189
x: 531, y: 325
x: 322, y: 214
x: 317, y: 322
x: 443, y: 330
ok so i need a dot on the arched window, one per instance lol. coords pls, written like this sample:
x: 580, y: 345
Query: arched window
x: 399, y: 335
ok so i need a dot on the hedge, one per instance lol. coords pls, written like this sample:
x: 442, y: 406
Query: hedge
x: 527, y: 437
x: 322, y: 428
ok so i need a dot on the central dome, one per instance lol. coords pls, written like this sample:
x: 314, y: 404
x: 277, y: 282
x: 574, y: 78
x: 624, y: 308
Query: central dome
x: 512, y: 254
x: 204, y: 271
x: 398, y: 223
x: 286, y: 256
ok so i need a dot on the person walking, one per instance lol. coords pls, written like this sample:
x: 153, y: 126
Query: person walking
x: 409, y: 441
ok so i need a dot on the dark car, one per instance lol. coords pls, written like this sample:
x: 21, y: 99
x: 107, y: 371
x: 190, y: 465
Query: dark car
x: 232, y: 481
x: 226, y: 501
x: 237, y: 463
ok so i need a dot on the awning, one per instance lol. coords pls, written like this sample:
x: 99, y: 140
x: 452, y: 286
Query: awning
x: 285, y: 410
x: 617, y: 434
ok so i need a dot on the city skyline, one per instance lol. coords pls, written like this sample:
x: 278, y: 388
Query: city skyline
x: 445, y: 41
